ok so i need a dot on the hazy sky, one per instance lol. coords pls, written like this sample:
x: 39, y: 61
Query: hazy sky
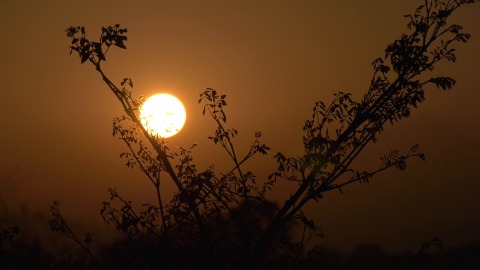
x: 273, y: 59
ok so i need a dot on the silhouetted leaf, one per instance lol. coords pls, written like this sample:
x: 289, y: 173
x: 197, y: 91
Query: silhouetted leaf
x: 444, y: 83
x: 85, y: 57
x: 119, y: 43
x: 98, y: 50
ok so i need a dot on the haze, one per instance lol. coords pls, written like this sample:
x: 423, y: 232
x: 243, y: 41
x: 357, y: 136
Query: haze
x: 273, y: 59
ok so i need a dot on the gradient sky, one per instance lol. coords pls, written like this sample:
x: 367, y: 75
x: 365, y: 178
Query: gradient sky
x: 273, y: 59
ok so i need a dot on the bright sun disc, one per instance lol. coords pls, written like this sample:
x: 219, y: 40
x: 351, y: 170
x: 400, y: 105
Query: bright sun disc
x: 163, y: 115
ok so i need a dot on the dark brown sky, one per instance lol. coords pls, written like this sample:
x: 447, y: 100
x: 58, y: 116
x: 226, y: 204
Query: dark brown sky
x: 273, y: 59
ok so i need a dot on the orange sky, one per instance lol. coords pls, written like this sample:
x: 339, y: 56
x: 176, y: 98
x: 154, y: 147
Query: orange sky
x: 273, y: 59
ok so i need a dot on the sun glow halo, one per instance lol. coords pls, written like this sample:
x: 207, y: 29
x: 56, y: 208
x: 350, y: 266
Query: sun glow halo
x: 163, y: 115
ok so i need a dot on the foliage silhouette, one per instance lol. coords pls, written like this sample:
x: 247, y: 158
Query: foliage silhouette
x: 223, y: 220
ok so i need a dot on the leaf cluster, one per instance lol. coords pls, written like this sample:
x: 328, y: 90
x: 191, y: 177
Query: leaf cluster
x: 95, y: 51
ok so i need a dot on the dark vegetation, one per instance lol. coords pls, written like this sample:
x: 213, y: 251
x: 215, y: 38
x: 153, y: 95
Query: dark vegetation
x: 224, y: 219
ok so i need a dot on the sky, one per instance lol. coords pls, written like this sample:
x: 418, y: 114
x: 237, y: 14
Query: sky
x: 274, y: 60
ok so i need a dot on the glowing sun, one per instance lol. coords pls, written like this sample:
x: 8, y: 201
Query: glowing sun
x: 163, y: 115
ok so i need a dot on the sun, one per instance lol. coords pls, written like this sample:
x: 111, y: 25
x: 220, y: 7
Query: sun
x: 163, y: 115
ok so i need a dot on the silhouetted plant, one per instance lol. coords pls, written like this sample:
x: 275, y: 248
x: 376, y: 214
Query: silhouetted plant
x: 223, y: 220
x: 58, y: 224
x: 19, y: 248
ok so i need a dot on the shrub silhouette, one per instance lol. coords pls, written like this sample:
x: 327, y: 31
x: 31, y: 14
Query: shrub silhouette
x: 223, y: 219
